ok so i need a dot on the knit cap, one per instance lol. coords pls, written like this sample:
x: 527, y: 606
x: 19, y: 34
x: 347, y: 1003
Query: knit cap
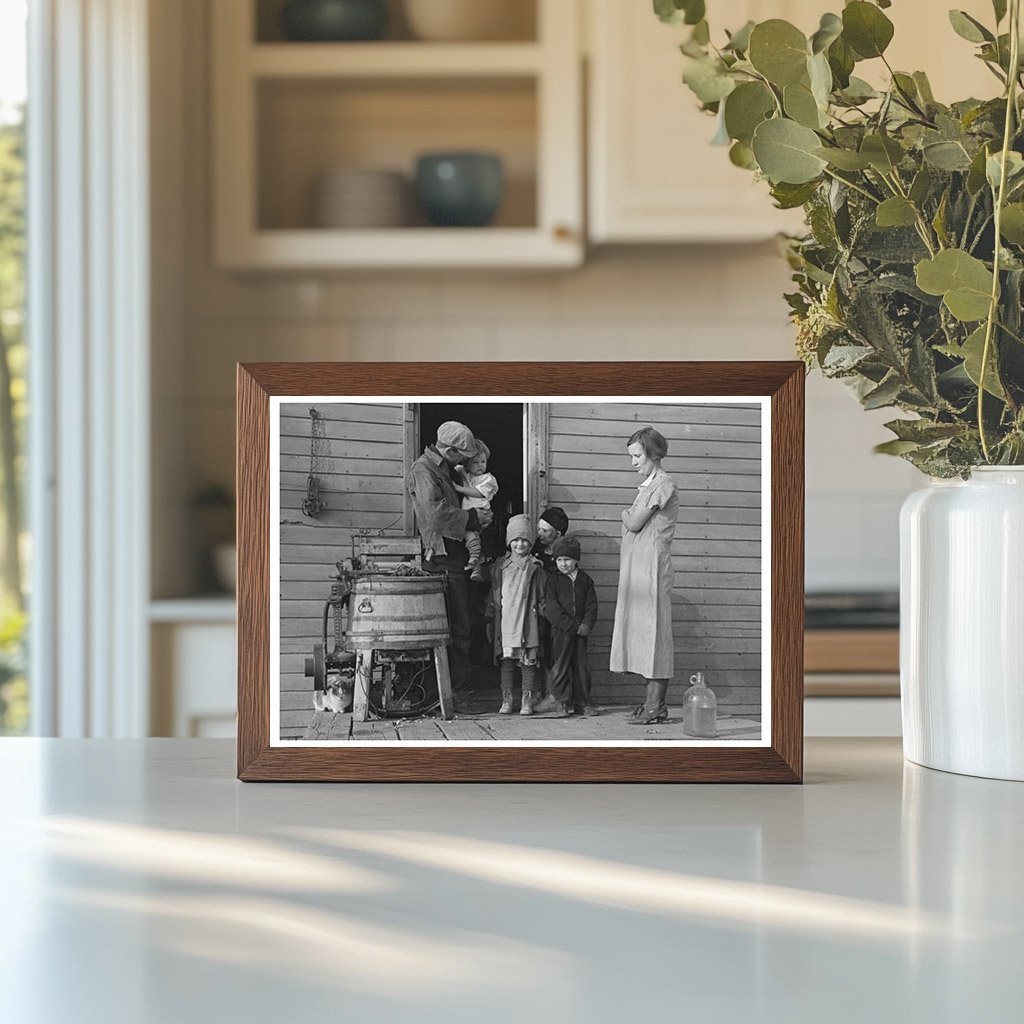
x: 557, y: 518
x: 566, y: 547
x: 519, y: 528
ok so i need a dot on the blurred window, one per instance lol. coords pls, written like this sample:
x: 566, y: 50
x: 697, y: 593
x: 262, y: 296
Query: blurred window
x: 14, y: 540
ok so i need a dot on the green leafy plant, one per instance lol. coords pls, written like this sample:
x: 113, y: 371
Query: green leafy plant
x: 910, y: 277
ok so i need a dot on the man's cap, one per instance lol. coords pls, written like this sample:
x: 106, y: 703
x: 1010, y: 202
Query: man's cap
x: 458, y: 436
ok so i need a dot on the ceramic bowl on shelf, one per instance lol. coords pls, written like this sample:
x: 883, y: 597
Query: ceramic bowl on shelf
x: 469, y: 20
x: 460, y: 189
x: 334, y: 20
x: 361, y: 198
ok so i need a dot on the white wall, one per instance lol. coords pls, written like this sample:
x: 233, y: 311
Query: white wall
x: 654, y: 303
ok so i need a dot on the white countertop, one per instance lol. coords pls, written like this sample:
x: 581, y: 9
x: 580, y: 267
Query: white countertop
x: 142, y: 884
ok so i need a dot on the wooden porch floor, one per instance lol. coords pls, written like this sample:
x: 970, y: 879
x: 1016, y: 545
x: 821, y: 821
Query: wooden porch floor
x: 610, y: 724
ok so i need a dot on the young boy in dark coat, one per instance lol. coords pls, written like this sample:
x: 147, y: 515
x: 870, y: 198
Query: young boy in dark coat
x: 571, y: 608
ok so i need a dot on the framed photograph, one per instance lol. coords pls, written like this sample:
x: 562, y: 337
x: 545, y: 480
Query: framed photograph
x: 520, y: 572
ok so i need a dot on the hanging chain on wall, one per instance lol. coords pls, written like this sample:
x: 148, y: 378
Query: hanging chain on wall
x: 319, y: 450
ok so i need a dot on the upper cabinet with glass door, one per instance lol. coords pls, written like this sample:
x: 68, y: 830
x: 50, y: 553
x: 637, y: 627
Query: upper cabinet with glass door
x: 376, y: 133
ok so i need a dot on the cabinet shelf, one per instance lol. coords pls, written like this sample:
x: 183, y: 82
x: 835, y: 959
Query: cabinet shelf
x: 287, y: 114
x: 311, y: 248
x: 392, y: 60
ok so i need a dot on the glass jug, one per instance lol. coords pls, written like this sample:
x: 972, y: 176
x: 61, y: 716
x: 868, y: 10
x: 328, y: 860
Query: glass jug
x: 700, y: 709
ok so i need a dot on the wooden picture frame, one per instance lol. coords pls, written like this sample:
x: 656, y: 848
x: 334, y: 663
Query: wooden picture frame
x: 778, y: 387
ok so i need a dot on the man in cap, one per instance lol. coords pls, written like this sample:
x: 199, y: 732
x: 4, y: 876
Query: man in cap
x: 442, y: 524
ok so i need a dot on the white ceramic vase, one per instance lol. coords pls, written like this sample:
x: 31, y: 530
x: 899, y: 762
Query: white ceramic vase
x: 962, y: 624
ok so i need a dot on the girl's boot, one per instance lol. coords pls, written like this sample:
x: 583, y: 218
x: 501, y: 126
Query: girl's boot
x: 529, y: 681
x: 506, y: 688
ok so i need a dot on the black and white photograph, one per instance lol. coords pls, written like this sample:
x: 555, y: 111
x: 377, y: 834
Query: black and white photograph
x: 556, y: 571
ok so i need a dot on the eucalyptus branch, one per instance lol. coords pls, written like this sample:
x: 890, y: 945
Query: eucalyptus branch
x: 771, y: 89
x: 993, y: 308
x: 977, y: 238
x: 923, y: 228
x: 969, y: 217
x: 853, y: 185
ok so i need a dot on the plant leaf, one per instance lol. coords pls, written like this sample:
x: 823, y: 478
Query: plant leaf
x: 1014, y: 169
x: 801, y: 106
x: 721, y: 136
x: 745, y: 108
x: 739, y: 41
x: 924, y: 88
x: 999, y: 7
x: 866, y: 29
x: 963, y: 281
x: 844, y: 159
x: 676, y: 12
x: 785, y: 152
x: 971, y: 352
x: 1012, y: 223
x: 923, y: 431
x: 789, y: 197
x: 896, y: 212
x: 857, y: 91
x: 921, y: 185
x: 883, y: 153
x: 707, y: 80
x: 946, y: 156
x: 939, y: 220
x: 829, y: 30
x: 968, y: 28
x: 841, y: 60
x: 742, y: 155
x: 779, y: 51
x: 820, y: 75
x: 895, y: 447
x: 885, y: 394
x: 976, y: 174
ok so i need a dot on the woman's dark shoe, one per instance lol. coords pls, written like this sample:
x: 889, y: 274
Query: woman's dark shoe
x: 654, y: 709
x: 636, y: 712
x: 649, y: 717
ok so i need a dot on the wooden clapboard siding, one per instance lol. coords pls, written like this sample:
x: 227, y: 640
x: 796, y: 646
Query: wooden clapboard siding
x: 715, y: 459
x: 362, y: 482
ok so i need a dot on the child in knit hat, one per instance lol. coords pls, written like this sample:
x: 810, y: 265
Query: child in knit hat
x: 571, y: 608
x: 513, y: 612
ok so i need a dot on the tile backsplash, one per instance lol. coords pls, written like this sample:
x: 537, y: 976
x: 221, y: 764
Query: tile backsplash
x: 718, y: 302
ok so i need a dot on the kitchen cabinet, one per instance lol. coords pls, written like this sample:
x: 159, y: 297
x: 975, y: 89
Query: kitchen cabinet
x: 192, y: 667
x: 653, y: 175
x: 287, y: 113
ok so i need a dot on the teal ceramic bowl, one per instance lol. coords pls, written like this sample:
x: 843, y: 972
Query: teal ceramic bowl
x: 460, y: 189
x: 332, y: 21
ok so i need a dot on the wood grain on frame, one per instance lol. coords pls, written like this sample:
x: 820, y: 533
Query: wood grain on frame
x: 781, y: 762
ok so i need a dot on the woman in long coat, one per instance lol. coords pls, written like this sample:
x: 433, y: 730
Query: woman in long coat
x: 642, y: 635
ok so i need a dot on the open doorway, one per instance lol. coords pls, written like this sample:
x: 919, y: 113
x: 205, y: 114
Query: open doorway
x: 500, y: 425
